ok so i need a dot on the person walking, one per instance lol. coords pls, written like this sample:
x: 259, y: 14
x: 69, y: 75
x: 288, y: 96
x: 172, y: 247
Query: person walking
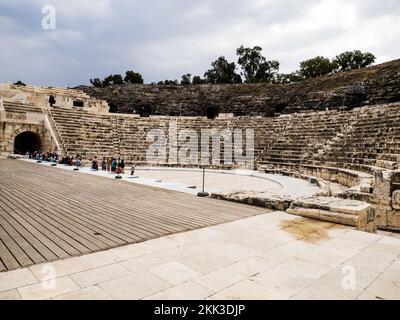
x: 113, y: 165
x: 95, y: 164
x: 103, y: 164
x: 109, y: 164
x: 77, y: 162
x: 122, y: 166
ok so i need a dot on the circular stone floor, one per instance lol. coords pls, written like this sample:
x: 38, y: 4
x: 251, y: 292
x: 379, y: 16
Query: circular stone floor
x: 229, y: 180
x: 222, y: 181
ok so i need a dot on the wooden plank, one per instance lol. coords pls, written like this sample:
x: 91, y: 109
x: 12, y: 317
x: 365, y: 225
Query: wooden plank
x: 114, y: 214
x: 2, y: 266
x: 7, y: 258
x: 58, y: 212
x: 10, y: 215
x: 72, y: 212
x: 31, y: 246
x: 50, y: 213
x: 16, y: 248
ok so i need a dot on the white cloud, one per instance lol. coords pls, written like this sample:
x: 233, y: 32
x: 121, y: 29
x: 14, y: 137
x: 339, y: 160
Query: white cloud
x: 165, y: 39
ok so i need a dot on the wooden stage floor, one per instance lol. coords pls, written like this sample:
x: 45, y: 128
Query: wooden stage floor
x: 48, y: 214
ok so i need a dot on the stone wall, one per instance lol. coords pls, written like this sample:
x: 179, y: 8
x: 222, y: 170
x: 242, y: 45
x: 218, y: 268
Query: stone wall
x: 374, y: 85
x: 14, y: 123
x: 41, y: 96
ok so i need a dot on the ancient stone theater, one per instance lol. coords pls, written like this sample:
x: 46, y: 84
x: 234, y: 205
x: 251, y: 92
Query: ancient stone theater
x: 338, y: 133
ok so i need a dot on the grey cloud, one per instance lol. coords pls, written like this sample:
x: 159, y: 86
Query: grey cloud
x: 164, y: 39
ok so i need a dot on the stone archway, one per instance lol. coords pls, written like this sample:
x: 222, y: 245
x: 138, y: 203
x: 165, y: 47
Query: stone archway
x: 27, y: 141
x: 35, y: 130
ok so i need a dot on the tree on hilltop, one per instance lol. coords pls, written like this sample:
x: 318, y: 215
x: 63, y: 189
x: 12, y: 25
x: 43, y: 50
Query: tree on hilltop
x: 96, y: 82
x: 222, y: 72
x: 133, y: 77
x: 316, y: 67
x: 198, y: 80
x: 351, y: 60
x: 117, y: 79
x: 186, y: 79
x: 255, y: 67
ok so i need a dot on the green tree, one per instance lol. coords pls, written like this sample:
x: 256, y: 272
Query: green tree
x: 114, y: 79
x: 316, y: 67
x: 96, y: 82
x: 351, y: 60
x: 133, y: 77
x: 198, y: 80
x: 255, y: 67
x: 222, y: 72
x: 186, y: 79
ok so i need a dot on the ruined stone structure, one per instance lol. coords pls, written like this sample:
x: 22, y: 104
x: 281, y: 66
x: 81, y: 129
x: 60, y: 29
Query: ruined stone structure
x: 24, y: 116
x: 342, y: 91
x: 352, y: 154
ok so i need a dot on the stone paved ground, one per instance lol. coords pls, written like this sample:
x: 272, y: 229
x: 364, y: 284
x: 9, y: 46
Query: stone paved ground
x: 270, y: 256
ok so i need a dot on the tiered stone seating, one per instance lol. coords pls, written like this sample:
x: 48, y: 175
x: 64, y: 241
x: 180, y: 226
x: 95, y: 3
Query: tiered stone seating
x: 84, y: 133
x: 297, y: 139
x: 17, y: 107
x: 372, y: 142
x: 362, y: 139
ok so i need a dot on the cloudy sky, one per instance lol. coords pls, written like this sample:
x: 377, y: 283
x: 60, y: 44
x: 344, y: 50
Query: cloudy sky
x: 167, y: 38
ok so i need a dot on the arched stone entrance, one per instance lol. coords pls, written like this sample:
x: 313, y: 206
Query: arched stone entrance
x: 27, y: 141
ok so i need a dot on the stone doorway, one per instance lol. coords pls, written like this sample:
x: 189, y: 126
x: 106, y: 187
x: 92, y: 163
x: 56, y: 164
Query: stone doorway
x: 27, y: 142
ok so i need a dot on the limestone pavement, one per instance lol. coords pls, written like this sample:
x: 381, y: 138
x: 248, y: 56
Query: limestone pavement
x: 270, y: 256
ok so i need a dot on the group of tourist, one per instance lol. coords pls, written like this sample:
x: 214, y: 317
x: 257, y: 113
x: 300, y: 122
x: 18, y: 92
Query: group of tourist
x: 71, y: 161
x: 53, y: 158
x: 42, y: 156
x: 110, y: 164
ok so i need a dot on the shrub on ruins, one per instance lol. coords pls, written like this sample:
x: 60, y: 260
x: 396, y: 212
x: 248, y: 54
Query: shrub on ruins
x: 19, y: 83
x: 222, y: 71
x: 351, y: 60
x: 168, y: 82
x: 316, y: 67
x: 186, y: 79
x: 133, y: 77
x: 255, y: 67
x: 288, y: 77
